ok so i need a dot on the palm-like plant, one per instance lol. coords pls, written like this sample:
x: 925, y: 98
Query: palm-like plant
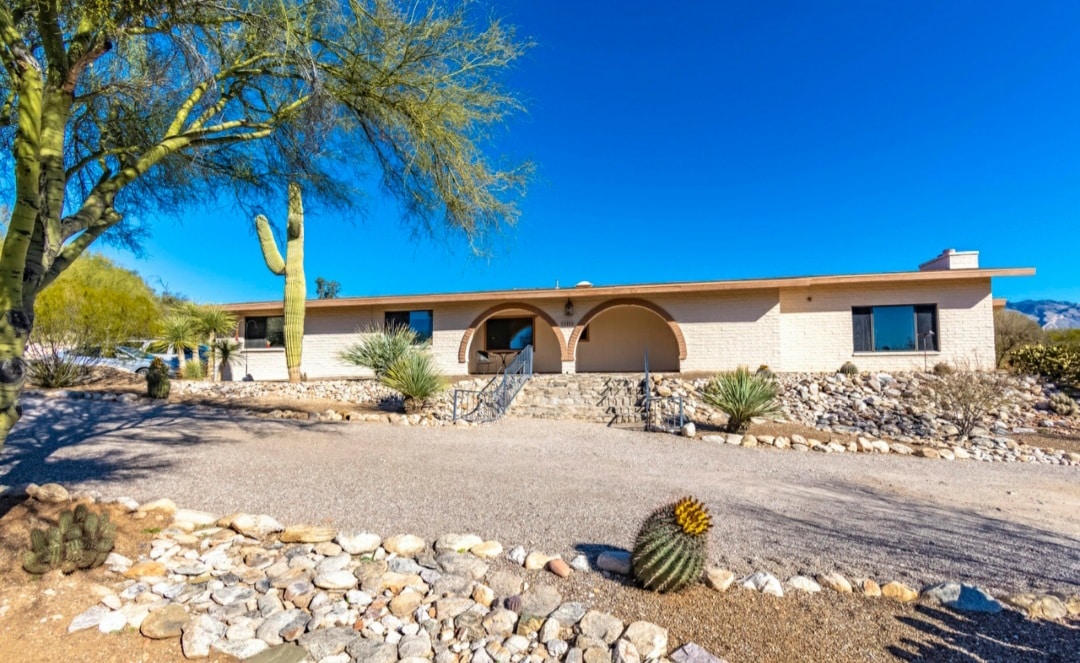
x: 211, y: 322
x: 381, y: 348
x: 227, y: 352
x: 742, y: 395
x: 416, y: 377
x: 178, y: 334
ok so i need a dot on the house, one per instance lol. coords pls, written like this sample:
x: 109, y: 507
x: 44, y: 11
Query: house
x: 888, y: 321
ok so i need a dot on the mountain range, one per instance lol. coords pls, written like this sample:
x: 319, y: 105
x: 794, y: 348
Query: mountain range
x: 1049, y: 313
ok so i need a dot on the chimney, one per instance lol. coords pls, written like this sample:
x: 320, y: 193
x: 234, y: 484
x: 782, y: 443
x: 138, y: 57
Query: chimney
x: 952, y: 259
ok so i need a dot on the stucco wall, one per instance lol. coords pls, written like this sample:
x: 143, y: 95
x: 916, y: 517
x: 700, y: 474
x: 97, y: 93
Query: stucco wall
x: 619, y: 338
x: 817, y: 335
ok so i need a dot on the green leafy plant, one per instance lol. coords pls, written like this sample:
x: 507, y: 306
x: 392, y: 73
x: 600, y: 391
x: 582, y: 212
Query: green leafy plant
x: 1063, y: 404
x: 416, y: 377
x: 157, y: 379
x: 228, y: 354
x: 80, y: 540
x: 742, y: 395
x: 943, y: 368
x: 849, y: 369
x: 672, y: 546
x: 194, y: 369
x: 381, y: 347
x: 178, y: 334
x: 1057, y: 363
x: 52, y: 367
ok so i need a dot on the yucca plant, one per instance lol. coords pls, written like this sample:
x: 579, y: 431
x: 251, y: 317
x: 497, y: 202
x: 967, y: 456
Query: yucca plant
x: 228, y: 354
x: 178, y: 334
x: 381, y: 347
x: 742, y: 395
x: 80, y: 540
x: 672, y: 546
x: 416, y: 377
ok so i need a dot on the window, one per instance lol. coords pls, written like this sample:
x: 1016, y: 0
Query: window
x: 584, y: 338
x: 420, y: 322
x: 509, y: 333
x: 264, y: 332
x: 895, y: 328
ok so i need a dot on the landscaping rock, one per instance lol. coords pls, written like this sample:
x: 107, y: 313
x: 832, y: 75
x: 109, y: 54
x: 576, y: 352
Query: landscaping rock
x: 835, y: 582
x: 719, y: 579
x: 405, y: 545
x: 88, y: 619
x: 358, y: 544
x: 898, y: 591
x: 763, y: 582
x: 804, y: 584
x: 50, y: 493
x: 962, y: 597
x: 307, y: 534
x: 165, y: 622
x: 694, y: 653
x: 255, y: 526
x: 650, y: 640
x: 615, y: 561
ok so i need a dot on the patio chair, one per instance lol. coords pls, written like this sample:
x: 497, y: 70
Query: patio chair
x: 483, y: 361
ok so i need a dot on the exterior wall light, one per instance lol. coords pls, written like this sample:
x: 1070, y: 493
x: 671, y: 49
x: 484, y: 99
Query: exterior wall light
x: 569, y: 308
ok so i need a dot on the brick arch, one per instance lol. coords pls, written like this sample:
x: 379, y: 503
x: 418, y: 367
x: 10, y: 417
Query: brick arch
x: 463, y: 349
x: 571, y: 346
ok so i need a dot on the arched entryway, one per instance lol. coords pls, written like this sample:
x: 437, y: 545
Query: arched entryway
x: 615, y: 336
x: 501, y: 330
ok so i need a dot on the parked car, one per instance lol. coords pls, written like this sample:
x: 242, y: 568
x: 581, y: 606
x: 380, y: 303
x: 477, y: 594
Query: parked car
x: 120, y: 358
x: 169, y: 355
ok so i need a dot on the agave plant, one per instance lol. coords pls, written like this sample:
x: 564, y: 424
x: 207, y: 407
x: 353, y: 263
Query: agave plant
x: 381, y: 347
x: 416, y: 377
x: 742, y: 395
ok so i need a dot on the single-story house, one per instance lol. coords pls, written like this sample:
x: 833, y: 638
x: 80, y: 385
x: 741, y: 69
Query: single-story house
x: 886, y: 321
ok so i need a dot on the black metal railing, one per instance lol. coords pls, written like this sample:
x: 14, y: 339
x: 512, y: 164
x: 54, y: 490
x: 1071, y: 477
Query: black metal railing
x: 660, y: 413
x: 492, y: 402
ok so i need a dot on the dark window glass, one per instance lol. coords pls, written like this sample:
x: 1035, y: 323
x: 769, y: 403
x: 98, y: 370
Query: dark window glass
x: 584, y: 335
x: 264, y: 332
x: 421, y: 322
x: 509, y: 333
x: 894, y: 328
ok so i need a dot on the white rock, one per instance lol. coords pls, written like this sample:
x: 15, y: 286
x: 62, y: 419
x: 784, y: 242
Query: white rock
x: 255, y: 526
x: 405, y: 545
x: 804, y: 584
x: 763, y: 582
x: 358, y: 544
x: 113, y: 622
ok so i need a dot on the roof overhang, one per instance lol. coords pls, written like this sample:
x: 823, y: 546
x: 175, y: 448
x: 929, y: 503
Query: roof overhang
x: 646, y: 289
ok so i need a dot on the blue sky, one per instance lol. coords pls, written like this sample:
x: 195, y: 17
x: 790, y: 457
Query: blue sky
x: 734, y: 140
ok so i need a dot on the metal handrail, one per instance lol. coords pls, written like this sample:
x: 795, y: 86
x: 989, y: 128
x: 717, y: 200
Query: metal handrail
x: 492, y: 402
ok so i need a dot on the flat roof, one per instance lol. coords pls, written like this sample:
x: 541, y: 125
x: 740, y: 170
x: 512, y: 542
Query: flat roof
x: 675, y: 288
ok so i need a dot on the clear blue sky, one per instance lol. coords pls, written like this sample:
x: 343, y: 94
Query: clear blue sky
x: 734, y: 140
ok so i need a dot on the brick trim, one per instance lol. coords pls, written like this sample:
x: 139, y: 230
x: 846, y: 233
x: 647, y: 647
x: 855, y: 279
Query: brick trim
x: 463, y: 349
x: 571, y: 346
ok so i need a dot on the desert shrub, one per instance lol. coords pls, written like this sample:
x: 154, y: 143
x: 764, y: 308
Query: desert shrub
x: 943, y: 368
x: 52, y: 368
x: 966, y: 396
x: 157, y: 379
x: 380, y: 348
x: 1064, y: 337
x: 742, y: 395
x: 1057, y: 363
x: 672, y: 546
x: 81, y: 540
x: 194, y: 369
x: 1063, y: 404
x: 849, y: 369
x: 1013, y: 330
x: 416, y: 377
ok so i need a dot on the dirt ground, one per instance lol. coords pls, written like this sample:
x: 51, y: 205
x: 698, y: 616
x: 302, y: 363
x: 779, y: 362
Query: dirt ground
x: 742, y: 626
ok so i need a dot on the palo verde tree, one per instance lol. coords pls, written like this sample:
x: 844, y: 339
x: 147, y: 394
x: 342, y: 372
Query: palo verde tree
x: 121, y: 112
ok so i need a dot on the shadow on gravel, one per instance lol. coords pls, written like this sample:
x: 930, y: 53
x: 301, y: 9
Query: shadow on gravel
x: 1006, y: 636
x: 42, y: 447
x: 915, y: 539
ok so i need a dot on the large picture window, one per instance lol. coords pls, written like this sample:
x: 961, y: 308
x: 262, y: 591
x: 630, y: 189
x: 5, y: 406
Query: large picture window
x: 421, y: 322
x: 509, y: 333
x: 895, y: 328
x: 264, y: 332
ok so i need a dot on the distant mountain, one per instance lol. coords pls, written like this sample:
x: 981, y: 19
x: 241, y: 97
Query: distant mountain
x: 1048, y: 313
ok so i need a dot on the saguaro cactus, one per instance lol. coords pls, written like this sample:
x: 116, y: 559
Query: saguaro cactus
x: 292, y: 267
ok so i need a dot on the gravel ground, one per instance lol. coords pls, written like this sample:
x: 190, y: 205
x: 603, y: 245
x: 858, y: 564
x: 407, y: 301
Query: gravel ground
x: 563, y: 487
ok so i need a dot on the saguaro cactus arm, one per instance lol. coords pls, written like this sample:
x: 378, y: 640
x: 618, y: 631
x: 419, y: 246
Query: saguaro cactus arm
x: 270, y: 252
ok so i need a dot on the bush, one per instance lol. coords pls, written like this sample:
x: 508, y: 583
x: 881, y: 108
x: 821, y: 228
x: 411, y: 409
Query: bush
x: 1013, y: 330
x: 742, y: 395
x: 416, y: 377
x: 157, y: 379
x: 966, y: 396
x: 81, y: 540
x: 849, y: 369
x: 52, y: 368
x: 194, y: 369
x: 381, y: 348
x: 672, y: 546
x: 1057, y: 363
x: 943, y: 368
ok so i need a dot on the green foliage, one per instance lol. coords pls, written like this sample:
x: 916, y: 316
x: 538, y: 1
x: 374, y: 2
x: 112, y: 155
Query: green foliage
x: 157, y: 379
x: 325, y: 289
x: 1063, y: 404
x: 95, y: 303
x: 194, y: 369
x: 742, y: 395
x: 416, y: 377
x: 52, y: 368
x: 943, y: 368
x: 1057, y: 363
x: 1013, y: 330
x: 672, y: 546
x: 849, y: 369
x: 80, y: 540
x: 1064, y: 337
x: 380, y: 348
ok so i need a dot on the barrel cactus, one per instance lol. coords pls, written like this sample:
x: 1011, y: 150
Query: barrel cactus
x: 1062, y: 404
x: 849, y: 369
x: 80, y: 540
x: 157, y: 379
x: 672, y: 546
x: 292, y: 267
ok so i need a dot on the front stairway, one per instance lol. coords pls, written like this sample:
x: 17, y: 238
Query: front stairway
x: 619, y: 400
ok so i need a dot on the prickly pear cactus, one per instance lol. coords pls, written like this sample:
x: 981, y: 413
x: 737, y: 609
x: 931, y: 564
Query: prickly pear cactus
x: 672, y: 546
x: 157, y: 379
x: 292, y: 267
x: 80, y: 540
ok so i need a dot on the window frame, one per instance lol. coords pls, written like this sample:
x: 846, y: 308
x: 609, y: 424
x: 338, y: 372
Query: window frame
x: 863, y: 330
x: 391, y: 318
x: 265, y: 341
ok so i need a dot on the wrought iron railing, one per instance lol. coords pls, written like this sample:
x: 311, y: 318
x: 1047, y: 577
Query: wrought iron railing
x: 661, y: 413
x: 492, y: 402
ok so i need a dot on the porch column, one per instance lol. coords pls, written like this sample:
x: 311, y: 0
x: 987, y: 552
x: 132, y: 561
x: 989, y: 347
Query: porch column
x: 568, y: 367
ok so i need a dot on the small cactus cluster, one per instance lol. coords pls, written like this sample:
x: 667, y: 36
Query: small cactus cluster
x: 672, y: 546
x: 81, y: 540
x: 849, y: 369
x: 1063, y: 404
x: 943, y: 368
x: 157, y: 379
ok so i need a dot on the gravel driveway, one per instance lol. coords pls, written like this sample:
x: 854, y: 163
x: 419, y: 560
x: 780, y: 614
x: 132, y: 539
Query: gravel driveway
x: 563, y: 486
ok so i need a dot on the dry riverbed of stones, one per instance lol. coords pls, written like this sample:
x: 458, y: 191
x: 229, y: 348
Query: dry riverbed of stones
x: 247, y: 586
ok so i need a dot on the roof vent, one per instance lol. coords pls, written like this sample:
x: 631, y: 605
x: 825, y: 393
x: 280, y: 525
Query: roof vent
x: 952, y: 259
x: 583, y: 284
